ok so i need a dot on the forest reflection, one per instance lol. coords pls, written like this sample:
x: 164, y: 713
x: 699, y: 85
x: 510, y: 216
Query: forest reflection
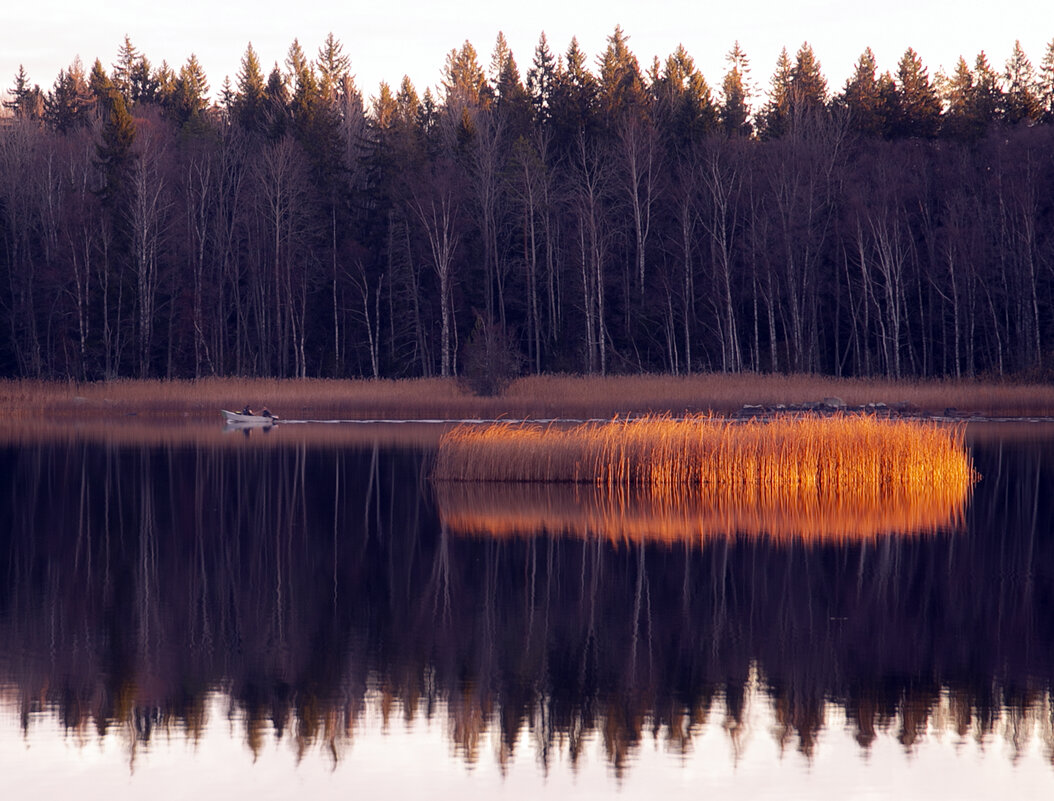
x: 310, y: 585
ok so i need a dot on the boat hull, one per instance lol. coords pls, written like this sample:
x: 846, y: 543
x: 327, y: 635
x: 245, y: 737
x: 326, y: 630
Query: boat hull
x: 236, y: 418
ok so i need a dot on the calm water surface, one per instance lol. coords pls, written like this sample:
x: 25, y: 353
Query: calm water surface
x: 188, y: 613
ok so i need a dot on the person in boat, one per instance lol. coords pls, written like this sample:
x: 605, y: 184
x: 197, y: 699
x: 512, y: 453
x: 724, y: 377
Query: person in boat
x: 246, y: 410
x: 266, y: 412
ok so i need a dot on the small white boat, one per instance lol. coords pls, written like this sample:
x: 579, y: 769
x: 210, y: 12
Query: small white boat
x: 239, y: 419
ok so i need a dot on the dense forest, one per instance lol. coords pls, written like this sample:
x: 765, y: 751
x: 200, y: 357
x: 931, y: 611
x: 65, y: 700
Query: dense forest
x: 582, y: 215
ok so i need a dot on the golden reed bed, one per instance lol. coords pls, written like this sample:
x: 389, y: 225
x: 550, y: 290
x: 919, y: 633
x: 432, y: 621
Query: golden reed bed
x: 660, y: 479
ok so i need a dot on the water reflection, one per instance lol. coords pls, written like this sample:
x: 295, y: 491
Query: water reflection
x: 632, y: 514
x: 310, y: 585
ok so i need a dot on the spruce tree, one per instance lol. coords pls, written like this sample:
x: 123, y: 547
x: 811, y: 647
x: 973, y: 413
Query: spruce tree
x: 27, y: 102
x: 384, y: 107
x: 808, y: 87
x: 144, y: 86
x: 541, y: 80
x: 408, y: 103
x: 250, y: 98
x: 574, y: 97
x: 113, y: 151
x: 70, y: 103
x: 304, y: 101
x: 464, y: 82
x: 1045, y: 89
x: 190, y: 96
x: 734, y: 111
x: 333, y: 67
x: 775, y: 116
x: 165, y: 81
x: 863, y: 98
x: 987, y: 94
x: 1021, y: 102
x: 958, y: 92
x: 276, y: 105
x: 620, y: 86
x: 510, y: 96
x: 683, y: 100
x: 124, y: 68
x: 918, y: 109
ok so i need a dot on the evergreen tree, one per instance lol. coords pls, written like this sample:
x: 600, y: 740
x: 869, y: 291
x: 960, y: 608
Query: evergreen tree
x: 972, y: 100
x: 1020, y: 102
x: 133, y: 76
x: 144, y: 86
x: 113, y: 153
x: 333, y: 67
x: 395, y: 123
x: 987, y: 95
x: 165, y: 81
x: 541, y: 80
x: 250, y: 100
x: 1046, y: 84
x: 505, y: 74
x: 958, y: 91
x: 464, y: 82
x: 918, y: 107
x: 190, y: 93
x: 808, y: 87
x: 734, y: 112
x: 27, y: 102
x: 775, y: 116
x: 620, y: 87
x: 863, y: 98
x: 408, y: 103
x: 574, y: 97
x: 510, y: 96
x: 304, y: 102
x: 385, y: 108
x: 682, y: 96
x: 124, y: 69
x: 427, y: 120
x: 70, y: 103
x: 227, y: 98
x: 276, y: 104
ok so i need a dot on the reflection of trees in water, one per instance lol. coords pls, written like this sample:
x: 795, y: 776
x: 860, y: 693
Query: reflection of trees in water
x: 312, y: 586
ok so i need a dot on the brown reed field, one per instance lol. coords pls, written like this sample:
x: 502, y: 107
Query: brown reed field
x: 787, y: 475
x: 528, y: 397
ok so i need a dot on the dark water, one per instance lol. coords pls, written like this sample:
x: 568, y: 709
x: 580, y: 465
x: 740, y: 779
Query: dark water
x: 180, y: 616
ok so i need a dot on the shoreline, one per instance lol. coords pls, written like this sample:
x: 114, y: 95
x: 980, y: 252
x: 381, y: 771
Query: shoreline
x: 535, y: 396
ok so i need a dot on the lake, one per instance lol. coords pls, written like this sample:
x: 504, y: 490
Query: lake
x: 189, y: 612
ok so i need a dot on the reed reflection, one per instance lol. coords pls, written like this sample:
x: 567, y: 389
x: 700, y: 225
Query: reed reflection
x: 692, y: 517
x: 312, y: 586
x: 657, y: 479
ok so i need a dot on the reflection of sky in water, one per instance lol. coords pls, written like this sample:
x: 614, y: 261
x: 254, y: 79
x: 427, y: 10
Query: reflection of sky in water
x: 413, y: 759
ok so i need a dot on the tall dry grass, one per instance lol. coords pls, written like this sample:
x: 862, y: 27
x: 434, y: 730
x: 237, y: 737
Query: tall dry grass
x: 536, y: 396
x: 789, y: 474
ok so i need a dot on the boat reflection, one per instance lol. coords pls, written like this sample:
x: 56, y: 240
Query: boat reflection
x: 305, y: 591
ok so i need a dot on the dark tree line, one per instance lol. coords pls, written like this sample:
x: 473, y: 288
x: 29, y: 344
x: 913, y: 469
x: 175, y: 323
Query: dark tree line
x: 599, y: 218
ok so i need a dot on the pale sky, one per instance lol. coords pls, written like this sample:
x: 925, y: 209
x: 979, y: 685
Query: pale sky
x: 390, y: 38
